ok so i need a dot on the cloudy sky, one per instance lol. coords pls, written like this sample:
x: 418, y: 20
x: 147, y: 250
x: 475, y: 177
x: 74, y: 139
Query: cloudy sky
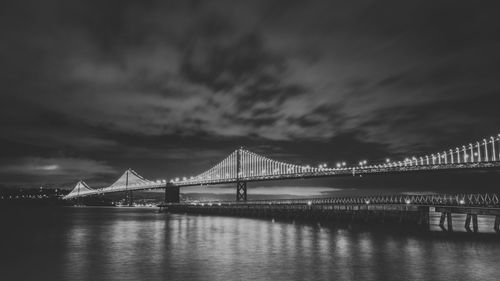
x: 90, y: 88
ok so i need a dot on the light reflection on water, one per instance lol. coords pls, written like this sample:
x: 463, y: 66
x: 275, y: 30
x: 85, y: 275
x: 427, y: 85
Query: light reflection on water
x: 133, y: 244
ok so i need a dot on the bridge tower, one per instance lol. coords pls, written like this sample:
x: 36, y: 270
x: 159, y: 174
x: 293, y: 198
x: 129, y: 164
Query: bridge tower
x: 129, y: 196
x: 241, y: 185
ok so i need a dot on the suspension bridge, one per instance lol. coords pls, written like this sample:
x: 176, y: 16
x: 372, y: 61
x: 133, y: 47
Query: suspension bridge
x: 242, y: 166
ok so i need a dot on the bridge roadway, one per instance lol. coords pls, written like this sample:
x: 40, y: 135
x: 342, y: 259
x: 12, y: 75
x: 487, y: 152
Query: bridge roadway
x: 410, y: 211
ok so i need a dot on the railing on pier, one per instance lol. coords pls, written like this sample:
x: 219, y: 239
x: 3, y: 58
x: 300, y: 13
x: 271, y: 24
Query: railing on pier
x: 466, y: 200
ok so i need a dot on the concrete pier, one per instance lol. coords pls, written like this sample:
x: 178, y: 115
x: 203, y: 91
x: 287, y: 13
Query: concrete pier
x: 397, y: 214
x: 171, y: 193
x: 406, y: 215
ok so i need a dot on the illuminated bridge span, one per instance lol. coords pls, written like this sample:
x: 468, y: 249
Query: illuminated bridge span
x: 129, y: 181
x: 242, y: 166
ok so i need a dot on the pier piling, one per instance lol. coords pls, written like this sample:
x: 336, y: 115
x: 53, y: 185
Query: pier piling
x: 497, y: 224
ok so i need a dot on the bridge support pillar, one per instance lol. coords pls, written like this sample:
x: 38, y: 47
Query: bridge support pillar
x: 497, y: 224
x: 441, y: 221
x: 449, y: 221
x: 467, y: 223
x: 79, y: 201
x: 446, y: 216
x: 474, y: 223
x: 129, y: 199
x: 172, y: 193
x: 241, y: 191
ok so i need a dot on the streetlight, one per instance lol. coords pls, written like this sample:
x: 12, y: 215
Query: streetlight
x: 494, y: 157
x: 485, y: 150
x: 471, y: 152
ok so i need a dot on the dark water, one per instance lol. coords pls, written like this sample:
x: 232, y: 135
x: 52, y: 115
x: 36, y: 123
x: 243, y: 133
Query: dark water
x: 140, y: 244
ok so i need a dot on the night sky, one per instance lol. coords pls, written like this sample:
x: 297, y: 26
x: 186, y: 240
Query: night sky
x: 169, y: 88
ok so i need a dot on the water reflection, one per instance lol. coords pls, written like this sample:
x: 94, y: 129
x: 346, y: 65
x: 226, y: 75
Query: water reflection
x: 133, y: 244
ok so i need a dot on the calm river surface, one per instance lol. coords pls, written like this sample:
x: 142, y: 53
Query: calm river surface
x: 141, y: 244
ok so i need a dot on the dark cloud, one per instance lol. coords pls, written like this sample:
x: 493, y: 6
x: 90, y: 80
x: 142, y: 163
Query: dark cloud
x: 53, y: 171
x: 170, y: 87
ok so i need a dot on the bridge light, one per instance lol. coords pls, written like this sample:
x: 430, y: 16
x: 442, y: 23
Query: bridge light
x: 461, y: 202
x: 387, y: 160
x: 176, y: 179
x: 367, y: 202
x: 338, y: 165
x: 309, y: 203
x: 407, y: 201
x: 184, y: 178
